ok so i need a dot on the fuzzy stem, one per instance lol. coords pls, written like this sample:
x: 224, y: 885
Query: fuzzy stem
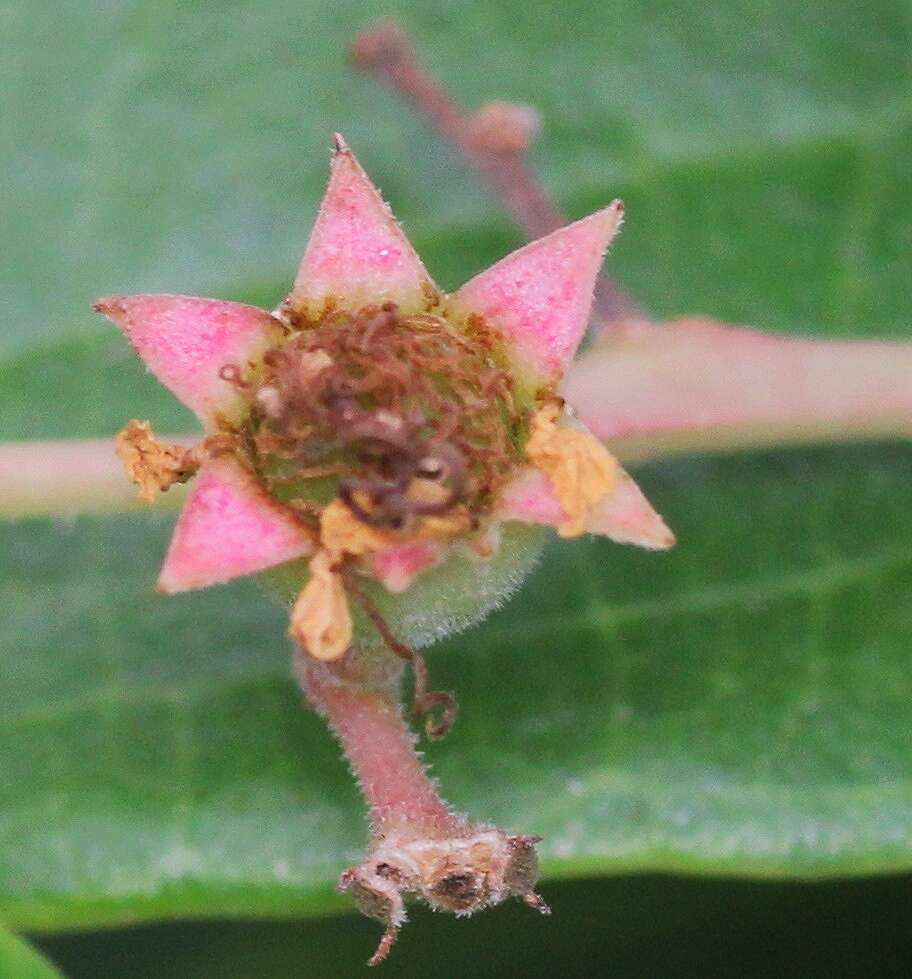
x: 359, y: 697
x: 419, y: 847
x: 386, y: 54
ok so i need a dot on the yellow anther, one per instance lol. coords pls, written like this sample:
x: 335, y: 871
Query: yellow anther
x: 321, y: 620
x: 341, y: 532
x: 581, y: 470
x: 152, y: 465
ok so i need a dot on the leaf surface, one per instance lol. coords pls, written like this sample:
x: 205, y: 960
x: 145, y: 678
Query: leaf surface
x: 19, y: 960
x: 741, y: 705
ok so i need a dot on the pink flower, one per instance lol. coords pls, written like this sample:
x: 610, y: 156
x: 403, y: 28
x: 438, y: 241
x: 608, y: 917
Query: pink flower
x: 373, y: 424
x: 378, y: 442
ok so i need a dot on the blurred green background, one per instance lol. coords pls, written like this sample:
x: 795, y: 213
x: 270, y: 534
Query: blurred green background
x: 737, y: 711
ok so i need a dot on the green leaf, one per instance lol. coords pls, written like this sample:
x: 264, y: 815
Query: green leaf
x: 192, y: 154
x: 18, y: 960
x: 717, y: 709
x: 738, y: 706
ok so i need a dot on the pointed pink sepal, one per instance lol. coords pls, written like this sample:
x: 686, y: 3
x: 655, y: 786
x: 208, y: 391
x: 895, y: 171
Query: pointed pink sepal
x: 357, y: 253
x: 228, y: 528
x: 185, y: 341
x: 540, y: 297
x: 528, y: 497
x: 398, y: 566
x: 625, y: 515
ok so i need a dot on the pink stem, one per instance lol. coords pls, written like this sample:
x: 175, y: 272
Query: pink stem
x: 360, y: 701
x: 695, y: 385
x: 60, y: 478
x: 386, y: 53
x: 691, y: 385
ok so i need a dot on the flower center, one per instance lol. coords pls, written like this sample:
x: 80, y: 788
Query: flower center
x: 402, y: 417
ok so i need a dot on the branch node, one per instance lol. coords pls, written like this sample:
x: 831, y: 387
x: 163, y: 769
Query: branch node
x: 503, y: 128
x: 492, y: 140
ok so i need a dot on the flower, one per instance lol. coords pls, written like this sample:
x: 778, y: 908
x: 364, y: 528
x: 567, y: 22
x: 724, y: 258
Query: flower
x: 373, y: 430
x: 390, y: 458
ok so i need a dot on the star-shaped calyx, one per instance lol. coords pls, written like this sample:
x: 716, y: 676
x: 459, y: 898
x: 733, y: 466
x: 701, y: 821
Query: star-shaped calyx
x: 373, y: 424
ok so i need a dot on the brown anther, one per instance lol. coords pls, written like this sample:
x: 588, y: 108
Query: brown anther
x: 152, y: 465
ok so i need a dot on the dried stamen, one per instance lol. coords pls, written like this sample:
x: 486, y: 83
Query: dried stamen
x: 154, y: 466
x: 321, y: 620
x: 233, y: 375
x: 419, y: 413
x: 581, y: 470
x: 424, y: 701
